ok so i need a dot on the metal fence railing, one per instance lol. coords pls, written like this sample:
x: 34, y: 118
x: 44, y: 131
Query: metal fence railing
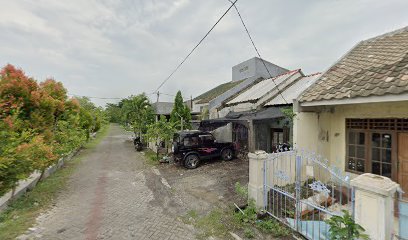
x: 302, y: 191
x: 400, y: 217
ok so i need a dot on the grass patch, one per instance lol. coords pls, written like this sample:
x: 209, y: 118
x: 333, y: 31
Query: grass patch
x: 151, y: 157
x: 21, y: 214
x: 217, y: 223
x: 220, y: 222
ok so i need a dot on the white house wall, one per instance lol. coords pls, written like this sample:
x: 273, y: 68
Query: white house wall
x: 325, y: 132
x: 198, y: 107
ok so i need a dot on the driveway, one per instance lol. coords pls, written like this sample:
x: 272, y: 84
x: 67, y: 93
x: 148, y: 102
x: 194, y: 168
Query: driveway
x: 209, y: 186
x: 113, y: 194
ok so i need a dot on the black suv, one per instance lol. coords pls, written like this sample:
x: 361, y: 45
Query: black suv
x: 190, y: 147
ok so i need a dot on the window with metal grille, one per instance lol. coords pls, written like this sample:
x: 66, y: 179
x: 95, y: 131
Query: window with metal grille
x: 371, y: 145
x: 397, y: 124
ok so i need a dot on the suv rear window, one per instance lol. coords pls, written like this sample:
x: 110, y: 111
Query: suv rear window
x: 191, y: 141
x: 207, y: 138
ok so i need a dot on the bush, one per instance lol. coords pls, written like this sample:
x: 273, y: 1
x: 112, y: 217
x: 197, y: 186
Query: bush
x: 39, y: 124
x: 249, y: 233
x: 248, y: 217
x: 344, y: 228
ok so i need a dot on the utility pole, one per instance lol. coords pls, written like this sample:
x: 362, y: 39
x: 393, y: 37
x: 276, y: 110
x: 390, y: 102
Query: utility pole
x: 158, y: 95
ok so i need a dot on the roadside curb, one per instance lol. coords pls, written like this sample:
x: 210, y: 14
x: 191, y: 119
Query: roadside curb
x: 30, y: 183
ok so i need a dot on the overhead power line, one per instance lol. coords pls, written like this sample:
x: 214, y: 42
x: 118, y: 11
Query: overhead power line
x: 198, y: 44
x: 256, y: 49
x: 76, y: 95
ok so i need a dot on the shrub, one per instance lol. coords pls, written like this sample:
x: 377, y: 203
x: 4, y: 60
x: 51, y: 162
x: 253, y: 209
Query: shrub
x: 38, y: 124
x: 344, y: 228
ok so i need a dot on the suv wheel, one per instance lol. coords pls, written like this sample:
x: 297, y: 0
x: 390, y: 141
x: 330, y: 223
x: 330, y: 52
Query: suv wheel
x: 227, y: 154
x: 192, y: 161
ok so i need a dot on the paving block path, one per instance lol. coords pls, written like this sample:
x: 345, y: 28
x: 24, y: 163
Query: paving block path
x: 108, y: 198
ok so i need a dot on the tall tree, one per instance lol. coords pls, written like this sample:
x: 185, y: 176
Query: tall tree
x: 138, y: 113
x: 114, y: 112
x: 38, y: 124
x: 181, y: 113
x: 158, y: 131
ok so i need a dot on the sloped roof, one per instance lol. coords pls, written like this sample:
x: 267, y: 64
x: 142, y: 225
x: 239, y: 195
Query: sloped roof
x: 163, y: 108
x: 260, y: 89
x: 242, y: 118
x: 215, y: 92
x: 374, y: 67
x: 265, y: 113
x: 293, y: 91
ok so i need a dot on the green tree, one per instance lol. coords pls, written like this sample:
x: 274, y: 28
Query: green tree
x: 114, y: 112
x: 204, y: 115
x: 161, y: 130
x: 38, y: 124
x: 38, y: 152
x: 180, y: 114
x: 12, y: 168
x: 91, y: 117
x: 138, y: 113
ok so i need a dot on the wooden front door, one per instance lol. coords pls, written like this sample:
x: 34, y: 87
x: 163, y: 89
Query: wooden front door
x: 403, y: 162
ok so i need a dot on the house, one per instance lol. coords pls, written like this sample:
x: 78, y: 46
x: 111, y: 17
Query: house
x: 162, y: 108
x: 243, y: 75
x: 253, y: 116
x: 201, y: 103
x: 356, y: 113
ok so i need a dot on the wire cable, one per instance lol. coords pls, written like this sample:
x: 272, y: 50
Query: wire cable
x: 256, y: 49
x: 198, y: 44
x: 76, y: 95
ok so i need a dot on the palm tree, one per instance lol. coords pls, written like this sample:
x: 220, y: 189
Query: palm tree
x: 138, y: 112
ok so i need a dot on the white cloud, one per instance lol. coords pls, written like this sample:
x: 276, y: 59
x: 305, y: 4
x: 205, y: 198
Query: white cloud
x: 114, y: 48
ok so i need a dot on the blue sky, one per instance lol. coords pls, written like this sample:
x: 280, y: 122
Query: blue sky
x: 115, y: 48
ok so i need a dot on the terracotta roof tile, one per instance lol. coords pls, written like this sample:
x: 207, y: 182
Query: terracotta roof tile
x: 376, y: 66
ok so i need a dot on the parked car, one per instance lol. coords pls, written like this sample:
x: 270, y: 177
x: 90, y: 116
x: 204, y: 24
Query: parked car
x: 192, y: 147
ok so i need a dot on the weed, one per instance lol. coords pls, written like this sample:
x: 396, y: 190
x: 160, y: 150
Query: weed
x: 248, y: 215
x: 151, y: 157
x: 242, y: 191
x: 247, y: 218
x: 249, y: 233
x: 273, y: 227
x: 344, y: 227
x: 218, y: 223
x: 190, y: 217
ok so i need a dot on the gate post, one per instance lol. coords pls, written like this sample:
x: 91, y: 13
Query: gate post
x: 298, y: 188
x: 256, y: 177
x: 374, y: 204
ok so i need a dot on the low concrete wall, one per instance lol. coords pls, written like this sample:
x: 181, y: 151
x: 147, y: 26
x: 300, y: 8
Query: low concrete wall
x: 28, y: 184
